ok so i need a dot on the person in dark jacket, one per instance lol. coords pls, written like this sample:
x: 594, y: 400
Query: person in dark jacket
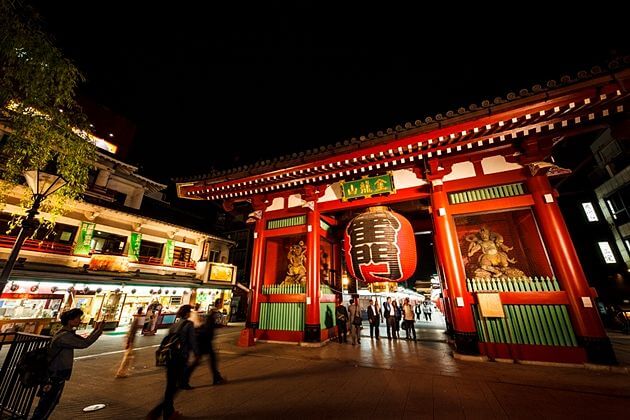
x: 341, y: 313
x: 61, y: 354
x: 177, y: 367
x: 205, y: 342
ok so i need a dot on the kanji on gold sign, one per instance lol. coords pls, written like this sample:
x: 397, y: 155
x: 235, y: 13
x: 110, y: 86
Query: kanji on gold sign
x: 367, y: 187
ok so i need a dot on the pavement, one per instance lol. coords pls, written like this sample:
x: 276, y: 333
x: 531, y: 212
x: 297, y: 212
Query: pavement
x: 378, y: 379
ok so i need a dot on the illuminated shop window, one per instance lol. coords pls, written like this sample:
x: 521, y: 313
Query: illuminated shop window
x: 607, y: 252
x: 590, y: 213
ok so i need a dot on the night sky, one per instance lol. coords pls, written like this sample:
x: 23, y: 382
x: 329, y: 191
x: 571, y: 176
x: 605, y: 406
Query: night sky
x: 227, y: 85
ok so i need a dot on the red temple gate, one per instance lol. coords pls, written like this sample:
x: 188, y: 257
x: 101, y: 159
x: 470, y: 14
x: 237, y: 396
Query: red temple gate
x: 499, y: 235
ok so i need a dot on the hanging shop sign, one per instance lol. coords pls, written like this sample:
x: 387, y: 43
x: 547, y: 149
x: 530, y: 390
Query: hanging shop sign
x: 134, y: 246
x: 221, y: 272
x: 101, y: 262
x: 84, y: 239
x: 169, y: 252
x: 367, y: 187
x: 379, y: 245
x: 205, y: 253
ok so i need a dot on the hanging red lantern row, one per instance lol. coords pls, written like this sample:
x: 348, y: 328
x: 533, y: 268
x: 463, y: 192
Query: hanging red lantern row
x: 380, y: 246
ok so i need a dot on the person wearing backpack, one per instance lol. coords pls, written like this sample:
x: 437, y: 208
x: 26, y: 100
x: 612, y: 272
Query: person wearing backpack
x: 61, y: 354
x: 205, y: 341
x: 181, y: 336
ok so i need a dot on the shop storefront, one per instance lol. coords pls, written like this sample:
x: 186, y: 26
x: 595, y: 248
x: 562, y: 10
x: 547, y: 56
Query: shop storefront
x: 35, y: 306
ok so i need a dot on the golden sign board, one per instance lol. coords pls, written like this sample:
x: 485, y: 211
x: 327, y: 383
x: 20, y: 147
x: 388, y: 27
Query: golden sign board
x: 100, y: 262
x: 221, y: 272
x: 490, y: 305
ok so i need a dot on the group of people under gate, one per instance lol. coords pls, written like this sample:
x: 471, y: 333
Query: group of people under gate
x: 394, y: 314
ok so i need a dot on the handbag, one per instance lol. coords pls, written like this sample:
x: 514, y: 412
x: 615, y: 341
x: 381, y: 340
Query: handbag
x: 357, y: 317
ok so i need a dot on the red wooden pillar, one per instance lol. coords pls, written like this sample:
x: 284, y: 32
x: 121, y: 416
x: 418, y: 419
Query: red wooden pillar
x: 459, y: 299
x: 588, y: 326
x: 255, y: 284
x: 312, y: 328
x: 445, y: 299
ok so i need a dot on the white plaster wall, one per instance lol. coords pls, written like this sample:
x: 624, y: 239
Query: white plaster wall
x: 405, y: 178
x: 295, y: 200
x: 333, y: 192
x: 496, y: 164
x: 461, y: 170
x: 276, y: 204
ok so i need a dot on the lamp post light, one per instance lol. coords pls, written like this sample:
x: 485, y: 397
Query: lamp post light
x: 42, y: 185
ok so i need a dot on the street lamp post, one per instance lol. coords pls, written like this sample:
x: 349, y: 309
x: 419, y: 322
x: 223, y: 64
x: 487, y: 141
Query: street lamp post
x: 42, y: 185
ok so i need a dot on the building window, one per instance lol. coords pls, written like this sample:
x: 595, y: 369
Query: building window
x: 590, y: 213
x: 108, y: 243
x: 119, y: 197
x: 214, y: 255
x: 182, y: 254
x: 618, y: 204
x: 607, y: 252
x: 609, y: 152
x: 150, y: 249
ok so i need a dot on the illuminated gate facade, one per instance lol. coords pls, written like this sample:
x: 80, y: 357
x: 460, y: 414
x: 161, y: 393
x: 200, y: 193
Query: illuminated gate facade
x: 513, y: 286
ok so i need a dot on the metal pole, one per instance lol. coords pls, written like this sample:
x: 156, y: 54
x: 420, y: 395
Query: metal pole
x: 27, y: 229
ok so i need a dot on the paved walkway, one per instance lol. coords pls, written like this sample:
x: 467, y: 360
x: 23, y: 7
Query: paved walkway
x: 378, y: 379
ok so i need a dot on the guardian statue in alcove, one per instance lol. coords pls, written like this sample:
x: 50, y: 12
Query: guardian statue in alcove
x: 493, y: 260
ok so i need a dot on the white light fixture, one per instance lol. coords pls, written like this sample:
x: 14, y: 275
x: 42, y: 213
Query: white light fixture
x: 43, y: 184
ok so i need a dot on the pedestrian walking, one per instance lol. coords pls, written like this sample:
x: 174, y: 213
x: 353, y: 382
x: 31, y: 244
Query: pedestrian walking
x: 374, y: 317
x: 61, y: 353
x: 177, y: 365
x: 390, y: 318
x: 355, y: 321
x: 136, y: 323
x: 427, y: 310
x: 205, y: 343
x: 397, y: 318
x: 409, y: 316
x: 341, y: 314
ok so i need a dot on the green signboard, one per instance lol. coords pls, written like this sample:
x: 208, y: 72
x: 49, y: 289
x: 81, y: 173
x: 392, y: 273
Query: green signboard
x: 84, y: 239
x: 134, y: 246
x: 367, y: 187
x: 169, y: 251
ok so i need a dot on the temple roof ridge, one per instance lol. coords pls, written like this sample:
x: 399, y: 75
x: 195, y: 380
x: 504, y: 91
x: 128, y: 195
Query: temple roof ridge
x: 382, y: 136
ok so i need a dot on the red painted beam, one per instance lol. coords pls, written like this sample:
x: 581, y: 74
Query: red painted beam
x: 492, y: 204
x: 400, y: 195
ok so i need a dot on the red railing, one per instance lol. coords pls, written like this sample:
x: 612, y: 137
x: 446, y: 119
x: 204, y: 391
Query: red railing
x: 37, y: 245
x: 191, y: 265
x: 150, y: 260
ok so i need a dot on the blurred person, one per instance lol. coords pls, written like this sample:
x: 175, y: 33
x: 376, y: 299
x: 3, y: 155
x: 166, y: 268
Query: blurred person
x: 177, y: 366
x: 205, y: 343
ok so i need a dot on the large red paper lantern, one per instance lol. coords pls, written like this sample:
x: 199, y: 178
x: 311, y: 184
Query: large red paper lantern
x: 380, y: 246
